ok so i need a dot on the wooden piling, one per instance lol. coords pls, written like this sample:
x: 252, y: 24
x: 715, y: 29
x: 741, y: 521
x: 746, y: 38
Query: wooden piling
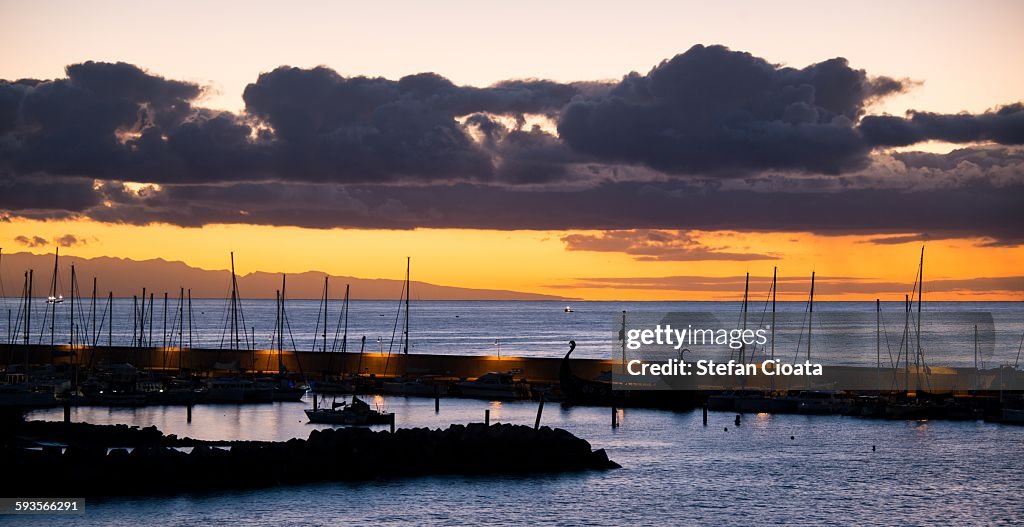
x: 705, y: 414
x: 615, y: 417
x: 540, y: 411
x: 67, y: 411
x: 437, y: 400
x: 188, y: 413
x: 487, y: 417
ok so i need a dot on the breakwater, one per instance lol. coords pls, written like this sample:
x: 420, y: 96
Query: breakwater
x: 540, y: 370
x: 110, y: 461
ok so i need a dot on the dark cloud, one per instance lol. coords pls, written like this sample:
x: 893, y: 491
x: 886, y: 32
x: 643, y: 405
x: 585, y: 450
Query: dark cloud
x: 46, y: 195
x: 655, y: 245
x: 901, y: 239
x: 716, y: 110
x: 317, y: 149
x: 968, y: 210
x: 1004, y: 125
x: 31, y: 241
x: 70, y: 240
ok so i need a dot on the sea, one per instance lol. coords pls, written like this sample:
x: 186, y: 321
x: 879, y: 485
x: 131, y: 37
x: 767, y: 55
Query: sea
x: 771, y: 469
x: 842, y: 333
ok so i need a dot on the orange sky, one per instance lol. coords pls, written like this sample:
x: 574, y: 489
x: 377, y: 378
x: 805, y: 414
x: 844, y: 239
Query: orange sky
x: 531, y: 261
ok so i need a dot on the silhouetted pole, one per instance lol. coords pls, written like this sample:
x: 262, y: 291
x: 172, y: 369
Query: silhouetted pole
x: 487, y: 417
x: 540, y: 411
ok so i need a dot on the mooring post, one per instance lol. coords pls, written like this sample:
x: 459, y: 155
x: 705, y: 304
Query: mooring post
x: 705, y: 414
x: 737, y: 419
x: 487, y: 417
x: 615, y: 417
x: 315, y: 406
x: 540, y: 410
x: 67, y: 411
x: 437, y: 399
x: 392, y: 423
x: 188, y: 413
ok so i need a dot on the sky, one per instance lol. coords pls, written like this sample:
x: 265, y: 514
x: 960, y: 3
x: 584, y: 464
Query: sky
x: 574, y: 148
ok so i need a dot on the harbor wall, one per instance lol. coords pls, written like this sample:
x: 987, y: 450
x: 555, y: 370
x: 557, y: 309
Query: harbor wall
x: 534, y: 369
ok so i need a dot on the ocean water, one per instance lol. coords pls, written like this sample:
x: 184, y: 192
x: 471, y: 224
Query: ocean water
x: 843, y: 332
x: 773, y: 469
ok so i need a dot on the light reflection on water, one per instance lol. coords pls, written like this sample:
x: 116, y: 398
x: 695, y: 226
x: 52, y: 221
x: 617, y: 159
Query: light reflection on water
x: 675, y: 471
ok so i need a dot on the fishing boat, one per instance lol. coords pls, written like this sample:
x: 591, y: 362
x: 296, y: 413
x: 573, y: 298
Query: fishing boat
x: 59, y: 299
x: 355, y: 413
x: 568, y: 309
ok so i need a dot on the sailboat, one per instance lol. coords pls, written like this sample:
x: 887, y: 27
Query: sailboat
x: 282, y: 388
x: 356, y: 413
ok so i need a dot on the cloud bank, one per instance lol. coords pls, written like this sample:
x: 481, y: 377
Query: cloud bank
x: 709, y: 139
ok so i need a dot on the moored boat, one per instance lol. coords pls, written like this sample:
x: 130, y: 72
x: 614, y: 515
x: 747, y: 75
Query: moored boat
x: 494, y: 385
x: 356, y: 413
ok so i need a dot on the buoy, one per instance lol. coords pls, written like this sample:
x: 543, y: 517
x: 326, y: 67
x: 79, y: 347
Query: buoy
x: 791, y: 437
x: 727, y: 429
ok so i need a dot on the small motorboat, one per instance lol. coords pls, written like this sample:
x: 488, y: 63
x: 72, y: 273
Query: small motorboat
x: 55, y: 299
x: 568, y: 309
x: 356, y: 413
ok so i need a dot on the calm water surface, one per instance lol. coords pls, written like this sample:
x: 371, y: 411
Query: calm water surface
x: 675, y: 471
x: 844, y: 332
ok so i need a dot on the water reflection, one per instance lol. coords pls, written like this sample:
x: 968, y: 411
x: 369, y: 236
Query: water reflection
x: 676, y: 471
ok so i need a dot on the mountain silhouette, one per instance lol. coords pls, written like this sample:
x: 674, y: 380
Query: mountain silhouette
x: 125, y: 277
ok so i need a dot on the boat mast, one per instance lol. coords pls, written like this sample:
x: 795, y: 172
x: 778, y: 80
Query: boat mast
x: 135, y: 319
x: 234, y: 306
x: 53, y: 294
x: 277, y: 326
x: 95, y: 330
x: 878, y: 342
x: 165, y: 321
x: 284, y: 320
x: 71, y: 339
x: 408, y: 293
x: 920, y: 293
x: 746, y: 293
x: 150, y: 339
x: 325, y: 312
x: 190, y: 318
x: 181, y: 325
x: 775, y: 273
x: 810, y: 317
x: 142, y: 319
x: 344, y: 335
x: 28, y: 316
x: 906, y: 342
x: 110, y: 319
